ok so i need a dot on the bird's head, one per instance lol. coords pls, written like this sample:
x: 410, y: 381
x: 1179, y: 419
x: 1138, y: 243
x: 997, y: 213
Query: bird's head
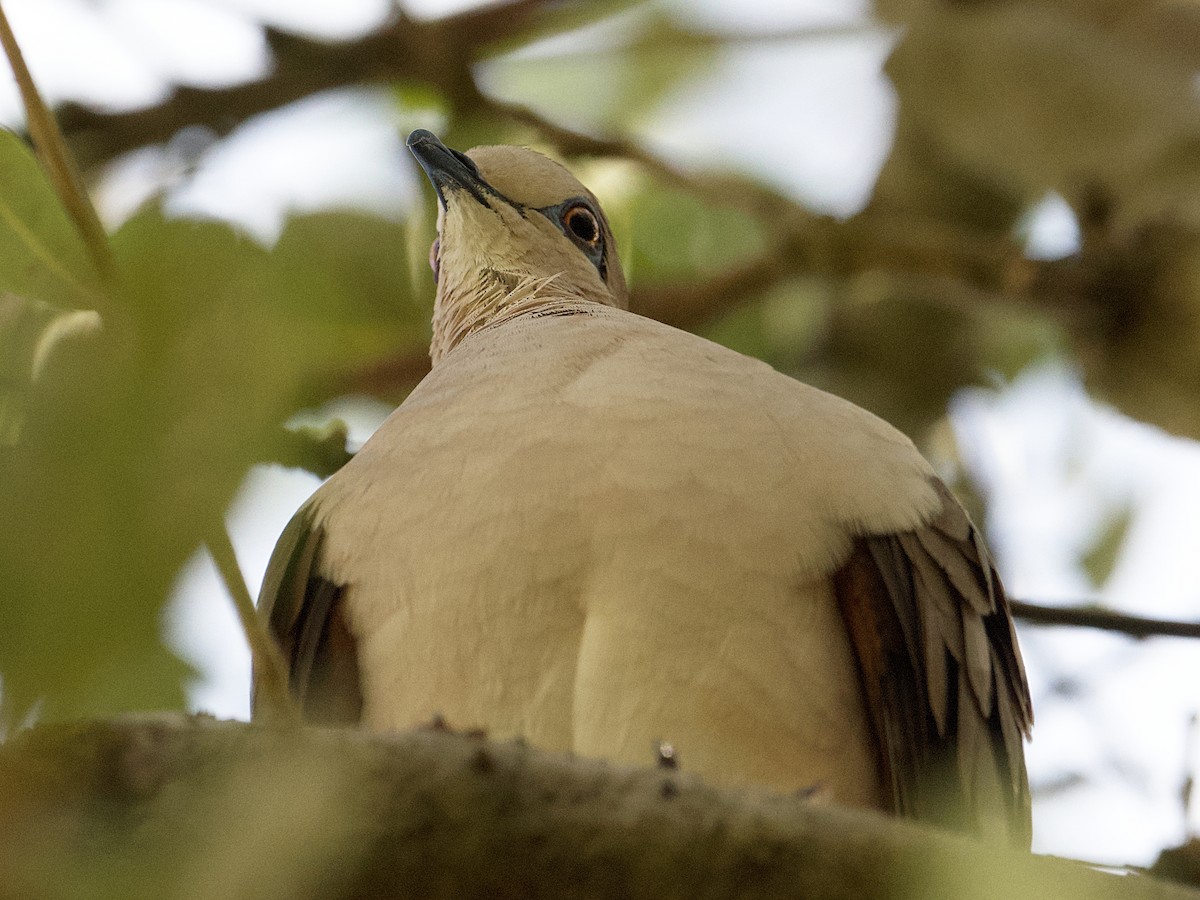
x: 511, y: 221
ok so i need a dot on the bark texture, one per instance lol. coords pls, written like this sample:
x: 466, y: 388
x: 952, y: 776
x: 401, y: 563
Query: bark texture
x: 191, y: 807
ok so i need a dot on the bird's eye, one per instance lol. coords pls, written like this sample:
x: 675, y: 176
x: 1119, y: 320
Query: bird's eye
x: 583, y: 224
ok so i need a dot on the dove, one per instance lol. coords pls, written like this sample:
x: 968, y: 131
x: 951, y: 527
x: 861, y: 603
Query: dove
x: 600, y: 534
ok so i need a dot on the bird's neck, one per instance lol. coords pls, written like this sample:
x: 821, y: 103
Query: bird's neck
x: 495, y: 297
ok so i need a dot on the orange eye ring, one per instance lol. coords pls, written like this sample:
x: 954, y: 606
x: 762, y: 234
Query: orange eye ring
x: 582, y: 223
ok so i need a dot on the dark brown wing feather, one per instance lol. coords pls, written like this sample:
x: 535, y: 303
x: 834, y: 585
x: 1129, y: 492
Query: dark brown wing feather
x: 305, y: 615
x: 941, y: 674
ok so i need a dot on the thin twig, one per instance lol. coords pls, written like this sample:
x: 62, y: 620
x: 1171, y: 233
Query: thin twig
x: 1103, y: 619
x: 270, y: 672
x: 56, y: 157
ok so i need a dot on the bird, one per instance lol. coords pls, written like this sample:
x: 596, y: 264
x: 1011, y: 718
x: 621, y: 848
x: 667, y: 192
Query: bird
x: 600, y: 534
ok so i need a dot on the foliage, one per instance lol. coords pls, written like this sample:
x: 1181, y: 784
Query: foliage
x: 136, y: 438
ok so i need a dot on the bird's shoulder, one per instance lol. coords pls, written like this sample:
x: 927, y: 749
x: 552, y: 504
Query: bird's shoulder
x: 596, y: 357
x: 598, y: 388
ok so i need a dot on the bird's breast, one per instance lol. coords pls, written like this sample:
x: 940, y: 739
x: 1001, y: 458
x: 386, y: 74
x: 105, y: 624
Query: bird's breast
x: 597, y: 561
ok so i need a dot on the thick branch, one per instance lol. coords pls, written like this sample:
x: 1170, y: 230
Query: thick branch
x: 154, y: 807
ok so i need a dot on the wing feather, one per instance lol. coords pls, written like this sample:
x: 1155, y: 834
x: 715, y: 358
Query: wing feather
x: 942, y: 678
x: 304, y: 612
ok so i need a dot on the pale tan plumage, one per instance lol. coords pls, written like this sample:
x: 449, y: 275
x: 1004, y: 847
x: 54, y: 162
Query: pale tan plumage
x: 595, y: 531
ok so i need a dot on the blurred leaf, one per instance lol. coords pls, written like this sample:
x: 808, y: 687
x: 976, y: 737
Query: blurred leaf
x: 30, y: 332
x: 780, y: 328
x: 667, y: 234
x: 346, y: 291
x: 624, y: 67
x: 1101, y: 558
x: 897, y: 354
x: 551, y: 20
x: 921, y: 176
x: 135, y: 444
x: 885, y: 346
x: 1013, y: 338
x: 41, y: 254
x: 319, y: 449
x: 1181, y: 864
x: 1038, y: 98
x: 1139, y: 347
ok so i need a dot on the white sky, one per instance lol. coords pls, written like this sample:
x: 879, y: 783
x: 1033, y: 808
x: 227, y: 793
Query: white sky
x: 1052, y: 459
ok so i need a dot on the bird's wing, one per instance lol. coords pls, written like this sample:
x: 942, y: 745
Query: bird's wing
x: 941, y: 674
x: 305, y: 615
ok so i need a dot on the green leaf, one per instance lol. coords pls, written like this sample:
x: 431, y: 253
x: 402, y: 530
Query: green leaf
x: 1101, y: 557
x: 135, y: 444
x: 41, y: 254
x: 345, y: 288
x: 32, y: 333
x: 887, y: 350
x: 667, y: 234
x: 1013, y: 338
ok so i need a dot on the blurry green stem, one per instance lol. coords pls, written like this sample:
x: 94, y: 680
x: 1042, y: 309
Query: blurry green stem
x: 56, y: 158
x: 270, y: 673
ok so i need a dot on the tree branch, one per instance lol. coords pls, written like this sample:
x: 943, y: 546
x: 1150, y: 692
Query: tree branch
x: 439, y: 52
x: 153, y: 807
x: 1103, y: 619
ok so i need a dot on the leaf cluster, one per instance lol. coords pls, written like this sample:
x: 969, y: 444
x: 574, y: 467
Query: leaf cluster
x: 126, y: 440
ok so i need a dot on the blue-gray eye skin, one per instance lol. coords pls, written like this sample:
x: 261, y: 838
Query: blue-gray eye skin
x: 579, y: 222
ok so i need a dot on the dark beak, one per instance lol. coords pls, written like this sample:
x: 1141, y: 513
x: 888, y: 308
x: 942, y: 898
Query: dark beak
x: 447, y: 169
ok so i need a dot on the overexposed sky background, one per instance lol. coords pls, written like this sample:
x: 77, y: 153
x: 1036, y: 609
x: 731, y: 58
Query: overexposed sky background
x: 1110, y: 751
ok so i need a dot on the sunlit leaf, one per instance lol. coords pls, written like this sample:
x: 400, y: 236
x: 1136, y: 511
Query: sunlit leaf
x: 41, y: 254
